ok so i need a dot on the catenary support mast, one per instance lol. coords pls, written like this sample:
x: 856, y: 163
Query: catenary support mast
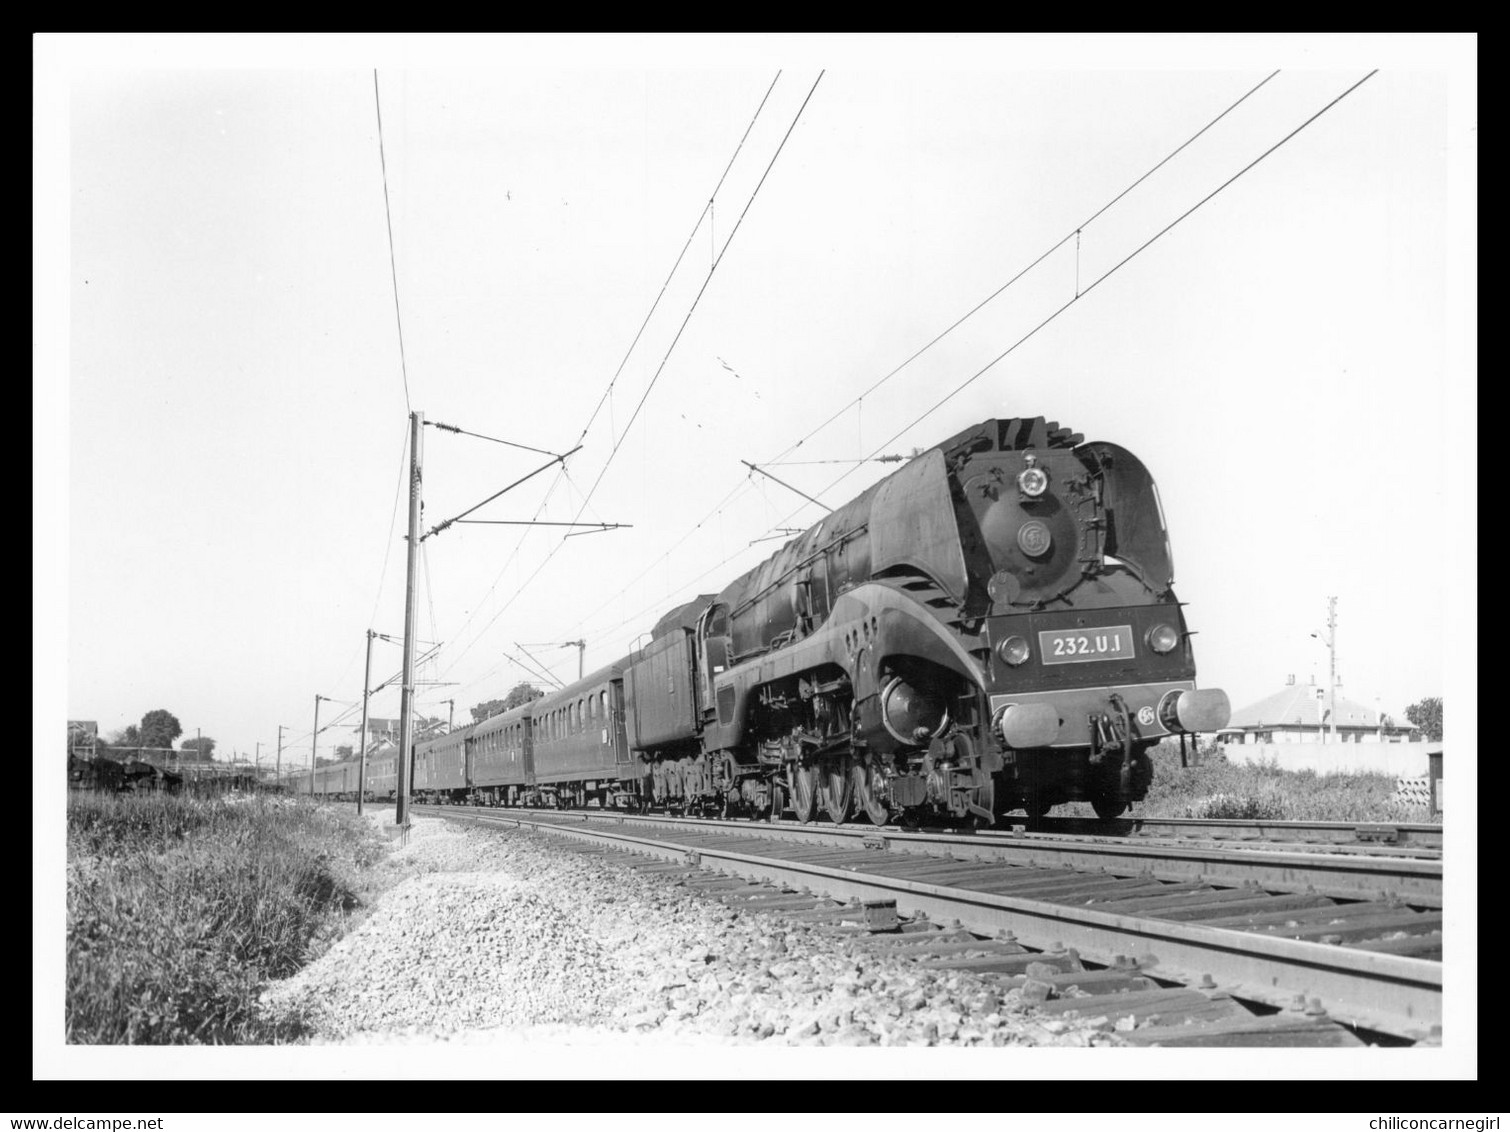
x: 406, y: 703
x: 362, y: 735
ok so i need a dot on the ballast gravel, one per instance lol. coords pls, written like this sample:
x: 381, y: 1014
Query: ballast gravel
x: 503, y: 936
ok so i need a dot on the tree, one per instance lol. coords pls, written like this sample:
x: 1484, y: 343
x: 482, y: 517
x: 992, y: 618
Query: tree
x: 343, y: 753
x: 1427, y: 715
x: 200, y: 750
x: 160, y: 728
x: 128, y: 736
x: 519, y: 695
x: 428, y: 727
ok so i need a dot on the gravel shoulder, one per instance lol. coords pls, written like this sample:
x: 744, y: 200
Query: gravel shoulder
x: 499, y: 937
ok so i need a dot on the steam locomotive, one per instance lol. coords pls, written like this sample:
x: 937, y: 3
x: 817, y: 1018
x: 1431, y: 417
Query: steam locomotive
x: 991, y: 627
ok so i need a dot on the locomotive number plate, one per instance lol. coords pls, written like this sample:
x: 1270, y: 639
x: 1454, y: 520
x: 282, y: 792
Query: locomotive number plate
x: 1071, y: 646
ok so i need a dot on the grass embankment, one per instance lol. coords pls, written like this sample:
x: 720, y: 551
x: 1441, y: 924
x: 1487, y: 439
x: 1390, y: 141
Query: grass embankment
x: 180, y: 910
x: 1218, y: 789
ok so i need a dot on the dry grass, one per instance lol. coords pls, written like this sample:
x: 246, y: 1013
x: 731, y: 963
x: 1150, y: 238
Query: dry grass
x: 1218, y: 789
x: 180, y: 910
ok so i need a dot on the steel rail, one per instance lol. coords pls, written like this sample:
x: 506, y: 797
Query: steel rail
x: 1346, y: 876
x: 1374, y: 835
x: 1386, y: 993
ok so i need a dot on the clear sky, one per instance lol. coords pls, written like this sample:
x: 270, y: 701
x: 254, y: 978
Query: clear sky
x: 222, y: 405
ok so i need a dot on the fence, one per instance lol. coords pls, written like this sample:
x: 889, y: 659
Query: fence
x: 1403, y: 760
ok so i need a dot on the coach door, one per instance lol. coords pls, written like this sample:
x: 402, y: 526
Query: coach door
x: 610, y: 712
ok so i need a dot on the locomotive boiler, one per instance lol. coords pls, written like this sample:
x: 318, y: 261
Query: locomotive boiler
x: 992, y: 626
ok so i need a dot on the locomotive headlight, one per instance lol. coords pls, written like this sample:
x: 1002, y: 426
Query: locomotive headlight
x: 1032, y: 481
x: 1013, y: 650
x: 1163, y: 638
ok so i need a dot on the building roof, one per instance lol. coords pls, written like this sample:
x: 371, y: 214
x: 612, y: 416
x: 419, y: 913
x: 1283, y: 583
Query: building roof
x: 1297, y: 705
x: 379, y: 725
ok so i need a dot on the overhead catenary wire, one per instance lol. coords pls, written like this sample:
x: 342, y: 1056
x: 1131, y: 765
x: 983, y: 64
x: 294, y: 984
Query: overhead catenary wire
x: 424, y: 557
x: 530, y: 669
x: 607, y: 395
x: 1073, y: 233
x: 700, y: 292
x: 1082, y: 293
x: 502, y: 570
x: 962, y: 386
x: 744, y: 484
x: 544, y: 668
x: 387, y: 550
x: 666, y: 357
x: 392, y: 260
x: 707, y: 208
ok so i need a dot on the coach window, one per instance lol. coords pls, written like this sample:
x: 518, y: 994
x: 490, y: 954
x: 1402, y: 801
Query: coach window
x: 604, y: 704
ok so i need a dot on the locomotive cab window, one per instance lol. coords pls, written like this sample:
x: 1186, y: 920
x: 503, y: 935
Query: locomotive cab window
x: 716, y: 639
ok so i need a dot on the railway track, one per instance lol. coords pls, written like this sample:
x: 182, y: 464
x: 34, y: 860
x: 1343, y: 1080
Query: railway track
x: 1327, y: 938
x: 1374, y: 836
x: 1353, y: 871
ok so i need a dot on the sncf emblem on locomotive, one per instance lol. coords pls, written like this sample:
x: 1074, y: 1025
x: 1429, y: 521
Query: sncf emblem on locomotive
x: 1034, y: 538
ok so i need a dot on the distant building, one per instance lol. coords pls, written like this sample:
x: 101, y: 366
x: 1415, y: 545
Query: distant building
x: 1300, y: 713
x: 380, y: 731
x: 83, y: 738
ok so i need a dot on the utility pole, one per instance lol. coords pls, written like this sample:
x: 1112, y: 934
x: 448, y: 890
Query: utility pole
x: 1331, y: 644
x: 278, y: 765
x: 406, y: 700
x: 581, y: 647
x: 314, y: 744
x: 362, y: 735
x: 257, y: 778
x: 451, y: 716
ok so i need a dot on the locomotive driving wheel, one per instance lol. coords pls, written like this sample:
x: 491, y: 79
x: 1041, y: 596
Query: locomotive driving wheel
x: 804, y: 791
x: 837, y: 792
x: 778, y: 800
x: 869, y: 786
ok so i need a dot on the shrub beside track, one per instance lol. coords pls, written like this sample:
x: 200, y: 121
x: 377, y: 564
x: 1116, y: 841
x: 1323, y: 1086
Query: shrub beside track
x: 180, y: 910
